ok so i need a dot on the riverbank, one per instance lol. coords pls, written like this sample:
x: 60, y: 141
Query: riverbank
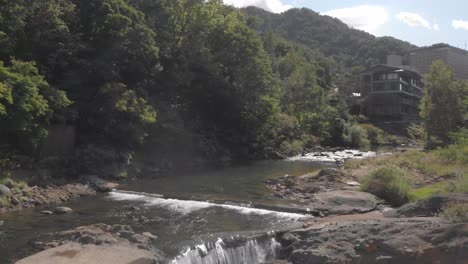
x: 375, y: 239
x: 431, y: 229
x: 17, y: 195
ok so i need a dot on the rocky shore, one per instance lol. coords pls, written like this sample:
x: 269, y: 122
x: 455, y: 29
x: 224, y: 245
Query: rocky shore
x: 355, y: 227
x: 384, y: 240
x: 99, y: 243
x: 16, y: 198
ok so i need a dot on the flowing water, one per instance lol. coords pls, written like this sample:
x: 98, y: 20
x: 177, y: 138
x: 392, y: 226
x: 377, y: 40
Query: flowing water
x: 209, y: 216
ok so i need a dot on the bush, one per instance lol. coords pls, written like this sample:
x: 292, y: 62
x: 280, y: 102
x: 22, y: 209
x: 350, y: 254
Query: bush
x: 290, y: 148
x: 416, y: 132
x: 389, y: 183
x: 357, y: 137
x: 375, y: 135
x: 455, y: 212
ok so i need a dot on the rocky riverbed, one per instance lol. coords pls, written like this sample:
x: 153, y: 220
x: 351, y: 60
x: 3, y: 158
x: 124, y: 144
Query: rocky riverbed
x: 385, y: 240
x: 16, y: 198
x: 99, y: 243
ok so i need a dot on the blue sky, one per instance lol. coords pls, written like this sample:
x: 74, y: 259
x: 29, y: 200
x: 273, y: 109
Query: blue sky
x: 421, y: 22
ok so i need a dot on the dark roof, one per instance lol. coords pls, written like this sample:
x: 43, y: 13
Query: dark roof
x: 391, y: 67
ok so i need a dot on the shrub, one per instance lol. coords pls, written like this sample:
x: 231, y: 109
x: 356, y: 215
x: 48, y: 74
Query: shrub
x: 449, y: 154
x: 7, y: 181
x: 290, y: 148
x: 455, y: 212
x: 4, y: 201
x: 389, y: 183
x: 461, y: 184
x: 416, y: 132
x: 375, y: 135
x: 357, y: 137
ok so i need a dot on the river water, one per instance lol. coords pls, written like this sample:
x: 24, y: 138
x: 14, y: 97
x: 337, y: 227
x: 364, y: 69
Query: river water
x: 209, y: 212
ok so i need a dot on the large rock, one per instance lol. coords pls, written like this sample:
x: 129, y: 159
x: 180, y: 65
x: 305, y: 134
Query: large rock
x: 4, y: 191
x: 62, y: 210
x: 427, y: 207
x: 344, y: 202
x: 74, y: 253
x: 375, y: 241
x: 330, y: 174
x: 98, y: 243
x: 99, y: 184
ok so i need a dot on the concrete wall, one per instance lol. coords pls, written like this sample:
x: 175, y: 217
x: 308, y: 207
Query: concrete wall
x: 422, y: 60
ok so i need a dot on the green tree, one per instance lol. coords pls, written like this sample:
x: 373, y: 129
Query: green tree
x: 441, y: 107
x: 27, y: 103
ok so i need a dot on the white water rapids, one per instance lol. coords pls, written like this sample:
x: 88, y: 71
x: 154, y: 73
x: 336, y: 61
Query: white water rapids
x: 188, y: 206
x: 252, y: 251
x: 236, y: 249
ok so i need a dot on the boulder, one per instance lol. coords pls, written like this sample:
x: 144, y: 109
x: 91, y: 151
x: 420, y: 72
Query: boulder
x: 15, y: 200
x: 392, y: 241
x: 46, y: 212
x: 99, y: 184
x: 330, y: 175
x: 4, y: 191
x: 62, y: 210
x: 149, y: 235
x: 344, y: 202
x: 427, y: 207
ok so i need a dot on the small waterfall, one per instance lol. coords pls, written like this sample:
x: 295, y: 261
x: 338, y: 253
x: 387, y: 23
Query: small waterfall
x: 233, y: 250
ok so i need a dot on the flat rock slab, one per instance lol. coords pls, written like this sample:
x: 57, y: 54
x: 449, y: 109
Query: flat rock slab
x: 344, y: 202
x: 74, y: 253
x: 386, y: 241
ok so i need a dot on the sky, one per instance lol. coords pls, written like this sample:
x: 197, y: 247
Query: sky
x: 421, y: 22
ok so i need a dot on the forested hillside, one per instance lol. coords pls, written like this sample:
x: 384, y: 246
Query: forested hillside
x: 164, y: 76
x: 347, y: 46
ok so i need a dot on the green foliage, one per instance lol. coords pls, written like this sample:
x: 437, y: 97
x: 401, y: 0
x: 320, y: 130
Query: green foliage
x: 376, y: 135
x: 442, y: 107
x: 346, y: 46
x: 416, y: 132
x: 27, y: 102
x: 357, y: 137
x: 455, y: 212
x: 389, y: 183
x: 4, y: 201
x: 131, y: 66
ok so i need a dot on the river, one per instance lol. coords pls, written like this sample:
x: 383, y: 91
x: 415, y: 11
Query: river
x: 222, y: 230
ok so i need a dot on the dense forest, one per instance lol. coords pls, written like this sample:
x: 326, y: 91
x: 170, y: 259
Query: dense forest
x: 194, y: 78
x: 348, y: 47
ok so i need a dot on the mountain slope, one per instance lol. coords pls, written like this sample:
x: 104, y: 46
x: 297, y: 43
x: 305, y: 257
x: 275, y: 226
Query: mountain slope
x: 349, y: 47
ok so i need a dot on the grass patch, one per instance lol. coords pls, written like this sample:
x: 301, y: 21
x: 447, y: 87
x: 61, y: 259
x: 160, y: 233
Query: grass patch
x: 455, y: 212
x: 7, y: 181
x: 389, y: 183
x: 431, y: 190
x: 4, y: 201
x: 431, y: 165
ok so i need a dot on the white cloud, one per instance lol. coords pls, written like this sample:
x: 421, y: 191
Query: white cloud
x: 275, y: 6
x: 460, y: 24
x: 369, y: 18
x: 416, y: 20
